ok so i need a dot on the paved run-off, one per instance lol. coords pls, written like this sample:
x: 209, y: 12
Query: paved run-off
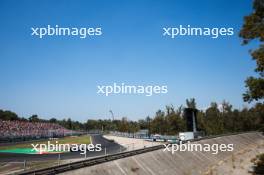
x: 180, y: 163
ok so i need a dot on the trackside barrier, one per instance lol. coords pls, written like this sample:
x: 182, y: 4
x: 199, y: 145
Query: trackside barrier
x: 89, y: 162
x: 98, y: 160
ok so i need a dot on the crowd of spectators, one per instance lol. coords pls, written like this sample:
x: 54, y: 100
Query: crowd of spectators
x: 21, y: 129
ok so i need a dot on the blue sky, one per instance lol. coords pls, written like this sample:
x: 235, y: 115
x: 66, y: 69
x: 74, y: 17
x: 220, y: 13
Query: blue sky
x: 57, y: 76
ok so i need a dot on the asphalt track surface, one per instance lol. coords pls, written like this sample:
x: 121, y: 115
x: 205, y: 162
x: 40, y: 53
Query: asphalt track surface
x: 111, y: 147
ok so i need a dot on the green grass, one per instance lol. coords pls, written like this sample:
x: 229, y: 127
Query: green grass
x: 84, y: 139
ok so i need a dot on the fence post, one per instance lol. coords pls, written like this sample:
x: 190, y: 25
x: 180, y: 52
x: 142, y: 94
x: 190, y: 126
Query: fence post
x: 58, y: 159
x: 25, y: 165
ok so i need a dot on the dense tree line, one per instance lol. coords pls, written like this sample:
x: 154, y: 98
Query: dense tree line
x: 216, y: 119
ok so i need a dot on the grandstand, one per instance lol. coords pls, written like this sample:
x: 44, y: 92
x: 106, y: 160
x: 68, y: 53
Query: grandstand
x: 17, y: 130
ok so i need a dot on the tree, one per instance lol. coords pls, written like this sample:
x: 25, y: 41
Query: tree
x: 191, y: 103
x: 214, y: 122
x: 253, y: 29
x: 227, y: 116
x: 226, y: 107
x: 34, y: 118
x: 259, y: 164
x: 124, y: 125
x: 69, y: 123
x: 158, y: 124
x: 258, y: 112
x: 53, y: 120
x: 175, y: 124
x: 8, y: 115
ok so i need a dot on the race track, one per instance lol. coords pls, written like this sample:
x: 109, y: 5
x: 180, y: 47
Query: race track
x: 111, y: 147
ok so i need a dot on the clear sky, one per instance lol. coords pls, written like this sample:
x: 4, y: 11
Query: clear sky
x: 57, y: 76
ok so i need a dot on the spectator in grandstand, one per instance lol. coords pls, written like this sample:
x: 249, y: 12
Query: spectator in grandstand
x: 17, y: 128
